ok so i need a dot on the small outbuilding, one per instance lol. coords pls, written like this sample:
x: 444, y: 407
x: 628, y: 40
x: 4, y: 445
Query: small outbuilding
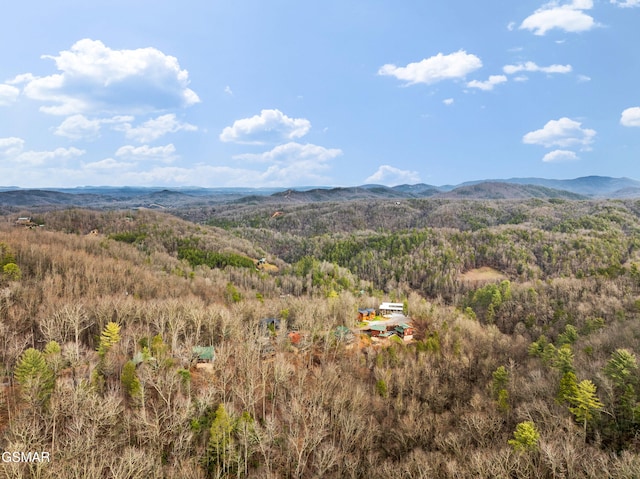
x: 203, y: 354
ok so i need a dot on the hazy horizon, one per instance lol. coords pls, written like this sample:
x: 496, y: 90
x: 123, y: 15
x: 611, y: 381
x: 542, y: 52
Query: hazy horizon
x: 603, y: 180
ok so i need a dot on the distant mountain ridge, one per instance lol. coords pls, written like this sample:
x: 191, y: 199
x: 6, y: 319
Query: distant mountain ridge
x: 168, y: 197
x: 40, y: 198
x: 596, y: 186
x: 498, y: 191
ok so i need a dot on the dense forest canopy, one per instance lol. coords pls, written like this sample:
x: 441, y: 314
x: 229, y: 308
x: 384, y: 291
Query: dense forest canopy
x: 523, y: 361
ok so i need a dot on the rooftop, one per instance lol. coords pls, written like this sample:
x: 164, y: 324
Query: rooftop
x: 393, y: 306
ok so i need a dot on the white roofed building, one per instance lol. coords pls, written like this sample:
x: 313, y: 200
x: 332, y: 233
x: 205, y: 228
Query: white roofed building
x: 387, y: 309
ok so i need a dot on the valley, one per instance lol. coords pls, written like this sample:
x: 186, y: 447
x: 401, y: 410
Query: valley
x: 216, y: 338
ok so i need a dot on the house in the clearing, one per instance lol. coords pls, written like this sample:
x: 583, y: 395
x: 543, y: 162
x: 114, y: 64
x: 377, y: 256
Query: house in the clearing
x: 366, y: 314
x: 387, y: 309
x: 25, y: 221
x: 377, y: 329
x: 395, y: 325
x: 404, y: 331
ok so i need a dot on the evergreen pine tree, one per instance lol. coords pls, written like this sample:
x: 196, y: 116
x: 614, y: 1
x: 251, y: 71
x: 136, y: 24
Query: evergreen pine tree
x: 585, y: 402
x: 525, y: 437
x: 35, y: 377
x: 110, y: 336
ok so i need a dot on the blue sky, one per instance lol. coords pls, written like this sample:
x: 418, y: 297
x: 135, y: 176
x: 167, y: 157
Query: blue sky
x: 290, y: 93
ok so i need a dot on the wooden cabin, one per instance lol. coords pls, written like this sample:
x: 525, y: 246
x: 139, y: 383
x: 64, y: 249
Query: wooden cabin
x: 366, y: 314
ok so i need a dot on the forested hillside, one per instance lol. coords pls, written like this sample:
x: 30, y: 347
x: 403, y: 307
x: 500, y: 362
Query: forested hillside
x: 529, y: 370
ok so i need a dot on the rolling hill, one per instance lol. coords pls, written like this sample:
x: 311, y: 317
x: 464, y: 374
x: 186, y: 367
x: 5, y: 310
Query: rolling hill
x: 596, y: 186
x: 155, y: 197
x: 501, y: 191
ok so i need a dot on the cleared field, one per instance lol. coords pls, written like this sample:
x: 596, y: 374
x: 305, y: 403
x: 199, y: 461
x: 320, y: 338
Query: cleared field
x: 485, y: 273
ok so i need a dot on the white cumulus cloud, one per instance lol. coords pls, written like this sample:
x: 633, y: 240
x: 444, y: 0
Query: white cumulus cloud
x: 434, y: 69
x: 631, y: 116
x: 108, y: 165
x: 626, y: 3
x: 487, y: 84
x: 8, y: 94
x: 557, y: 156
x: 391, y: 176
x: 292, y: 164
x: 154, y: 128
x: 164, y: 153
x: 568, y: 17
x: 562, y: 133
x: 532, y: 67
x: 11, y: 146
x: 269, y: 125
x: 21, y: 79
x: 292, y: 152
x: 37, y: 158
x: 94, y: 78
x: 79, y: 126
